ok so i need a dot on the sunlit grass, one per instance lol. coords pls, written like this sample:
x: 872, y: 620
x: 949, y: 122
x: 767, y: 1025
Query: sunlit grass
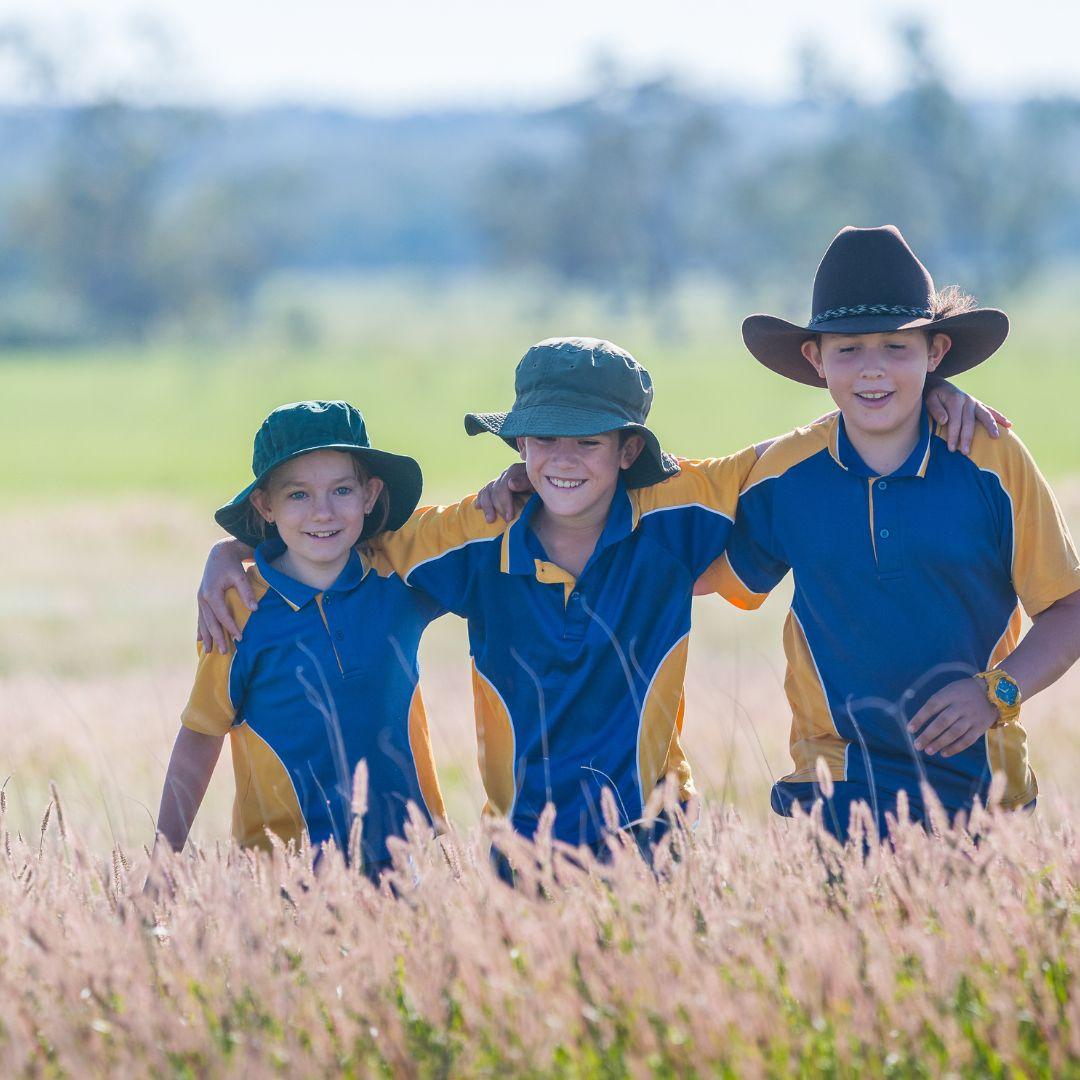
x: 747, y: 953
x: 179, y: 420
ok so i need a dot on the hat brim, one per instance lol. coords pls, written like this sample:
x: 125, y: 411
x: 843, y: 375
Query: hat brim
x: 566, y: 421
x: 976, y: 336
x: 402, y: 476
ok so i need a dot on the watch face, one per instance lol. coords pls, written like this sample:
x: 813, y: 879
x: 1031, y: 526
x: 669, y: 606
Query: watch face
x: 1007, y: 692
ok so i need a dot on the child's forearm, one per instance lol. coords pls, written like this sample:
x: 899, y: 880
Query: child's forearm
x: 192, y: 764
x: 1048, y: 649
x: 224, y: 570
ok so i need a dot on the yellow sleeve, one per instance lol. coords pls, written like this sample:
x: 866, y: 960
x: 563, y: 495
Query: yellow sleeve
x: 431, y: 533
x: 210, y: 709
x: 712, y: 483
x: 745, y: 551
x: 1045, y: 567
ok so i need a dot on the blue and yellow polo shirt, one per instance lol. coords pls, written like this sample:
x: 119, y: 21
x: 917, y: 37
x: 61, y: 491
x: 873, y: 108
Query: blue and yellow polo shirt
x: 903, y: 583
x: 577, y: 682
x: 319, y: 681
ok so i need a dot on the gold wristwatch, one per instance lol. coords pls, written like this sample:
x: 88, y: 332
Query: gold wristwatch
x: 1003, y: 693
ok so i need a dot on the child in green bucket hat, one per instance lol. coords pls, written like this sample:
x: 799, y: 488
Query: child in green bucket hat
x: 579, y: 605
x: 325, y: 674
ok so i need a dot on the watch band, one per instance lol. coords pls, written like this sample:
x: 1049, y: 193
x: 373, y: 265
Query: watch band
x: 1003, y: 693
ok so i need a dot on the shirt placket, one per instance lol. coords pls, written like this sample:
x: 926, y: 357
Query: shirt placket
x: 575, y: 619
x: 330, y: 608
x: 885, y: 526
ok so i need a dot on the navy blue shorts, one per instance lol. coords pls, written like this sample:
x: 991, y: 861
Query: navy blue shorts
x: 836, y: 811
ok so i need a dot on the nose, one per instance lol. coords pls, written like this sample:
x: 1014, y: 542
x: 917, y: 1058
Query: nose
x: 320, y: 506
x: 873, y: 363
x: 565, y: 454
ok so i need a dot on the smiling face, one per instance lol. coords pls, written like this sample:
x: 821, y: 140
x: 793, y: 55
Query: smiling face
x: 576, y: 477
x: 318, y: 502
x: 877, y: 380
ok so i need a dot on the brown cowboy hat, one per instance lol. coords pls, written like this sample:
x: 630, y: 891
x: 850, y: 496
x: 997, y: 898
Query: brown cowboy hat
x: 870, y: 282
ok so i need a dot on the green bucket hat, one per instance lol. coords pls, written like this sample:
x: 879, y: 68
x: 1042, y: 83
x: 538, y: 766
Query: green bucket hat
x: 577, y: 386
x: 304, y: 426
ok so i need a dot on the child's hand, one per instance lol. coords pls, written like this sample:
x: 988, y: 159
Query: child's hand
x: 960, y: 412
x: 953, y: 718
x: 224, y: 570
x: 497, y: 498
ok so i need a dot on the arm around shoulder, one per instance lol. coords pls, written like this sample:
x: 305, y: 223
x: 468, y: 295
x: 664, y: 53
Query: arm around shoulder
x: 713, y: 483
x: 434, y: 531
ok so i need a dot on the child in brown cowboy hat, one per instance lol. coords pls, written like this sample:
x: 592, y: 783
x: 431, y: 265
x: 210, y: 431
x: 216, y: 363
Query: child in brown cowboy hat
x: 906, y: 670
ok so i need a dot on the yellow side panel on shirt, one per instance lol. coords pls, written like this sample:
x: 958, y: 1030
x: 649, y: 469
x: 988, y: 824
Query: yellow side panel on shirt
x: 660, y: 751
x: 265, y: 796
x: 424, y: 759
x: 813, y: 732
x: 495, y: 746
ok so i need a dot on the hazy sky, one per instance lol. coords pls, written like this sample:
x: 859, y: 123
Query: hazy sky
x: 422, y: 53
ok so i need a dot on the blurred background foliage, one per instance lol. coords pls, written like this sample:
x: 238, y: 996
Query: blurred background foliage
x: 125, y: 221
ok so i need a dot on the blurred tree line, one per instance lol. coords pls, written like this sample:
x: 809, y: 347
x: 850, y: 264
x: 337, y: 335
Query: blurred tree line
x: 117, y: 219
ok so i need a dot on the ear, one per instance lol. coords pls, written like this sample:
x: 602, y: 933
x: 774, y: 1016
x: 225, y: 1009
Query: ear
x: 261, y: 501
x: 940, y: 344
x: 630, y: 450
x: 374, y: 489
x: 812, y: 351
x: 521, y: 447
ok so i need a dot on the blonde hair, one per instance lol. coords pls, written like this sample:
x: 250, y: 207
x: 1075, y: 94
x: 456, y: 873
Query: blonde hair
x: 945, y: 303
x: 256, y: 525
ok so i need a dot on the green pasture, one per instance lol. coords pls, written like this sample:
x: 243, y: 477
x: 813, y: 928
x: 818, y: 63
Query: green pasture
x: 178, y: 420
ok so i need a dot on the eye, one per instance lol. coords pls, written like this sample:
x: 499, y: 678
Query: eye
x: 846, y: 349
x: 343, y: 490
x: 898, y: 346
x: 588, y: 442
x: 545, y: 440
x: 297, y: 495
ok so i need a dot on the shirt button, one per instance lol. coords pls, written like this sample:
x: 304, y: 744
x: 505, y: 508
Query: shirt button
x: 884, y: 534
x: 340, y: 635
x: 882, y: 485
x: 575, y: 596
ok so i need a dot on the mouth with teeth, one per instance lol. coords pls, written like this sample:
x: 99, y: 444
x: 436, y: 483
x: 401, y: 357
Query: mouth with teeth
x: 563, y: 484
x: 325, y: 535
x: 874, y: 398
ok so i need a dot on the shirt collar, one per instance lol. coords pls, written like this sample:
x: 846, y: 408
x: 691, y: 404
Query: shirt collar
x: 847, y: 457
x: 295, y: 593
x: 521, y: 547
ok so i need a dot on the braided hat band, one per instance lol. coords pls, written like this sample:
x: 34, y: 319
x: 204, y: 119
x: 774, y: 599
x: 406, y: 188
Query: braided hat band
x: 859, y: 267
x: 870, y: 309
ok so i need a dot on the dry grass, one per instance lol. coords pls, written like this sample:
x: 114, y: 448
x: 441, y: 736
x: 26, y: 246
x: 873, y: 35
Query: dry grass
x: 755, y: 952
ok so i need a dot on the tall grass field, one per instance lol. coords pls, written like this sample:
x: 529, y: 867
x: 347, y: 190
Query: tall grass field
x: 755, y: 947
